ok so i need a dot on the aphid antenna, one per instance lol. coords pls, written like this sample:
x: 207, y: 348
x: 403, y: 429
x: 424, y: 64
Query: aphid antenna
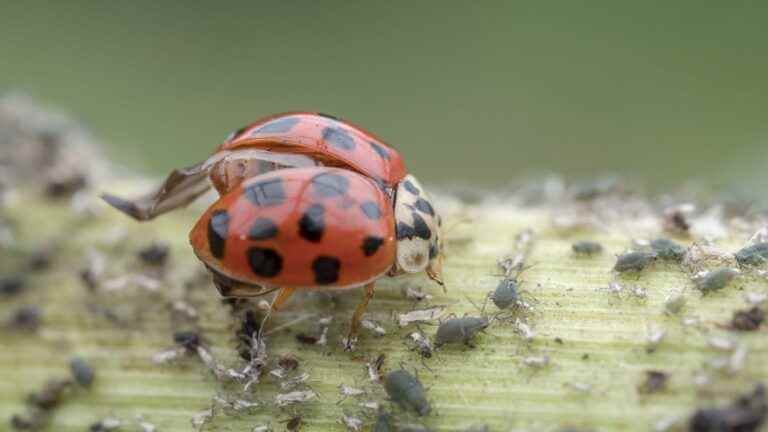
x: 289, y: 323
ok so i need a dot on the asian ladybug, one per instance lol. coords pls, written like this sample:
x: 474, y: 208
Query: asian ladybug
x: 307, y: 201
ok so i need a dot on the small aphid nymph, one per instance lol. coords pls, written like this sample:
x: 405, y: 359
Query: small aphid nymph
x: 587, y: 247
x: 460, y: 330
x: 82, y: 372
x: 668, y: 250
x: 506, y: 294
x: 407, y: 391
x: 752, y: 256
x: 634, y: 261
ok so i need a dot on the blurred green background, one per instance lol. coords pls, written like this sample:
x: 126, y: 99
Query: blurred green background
x: 476, y: 92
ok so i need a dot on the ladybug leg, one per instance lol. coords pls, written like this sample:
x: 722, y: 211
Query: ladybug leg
x: 358, y: 317
x: 282, y: 296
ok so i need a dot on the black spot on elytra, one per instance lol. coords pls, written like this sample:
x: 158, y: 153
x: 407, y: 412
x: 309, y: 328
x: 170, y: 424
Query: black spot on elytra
x: 381, y: 151
x: 371, y: 210
x: 266, y: 193
x: 329, y: 116
x: 265, y: 262
x: 262, y: 229
x: 410, y: 187
x: 312, y: 223
x: 326, y: 269
x: 424, y: 206
x: 277, y: 126
x: 371, y: 244
x: 419, y: 229
x: 218, y: 229
x: 433, y: 251
x: 339, y: 138
x: 328, y: 185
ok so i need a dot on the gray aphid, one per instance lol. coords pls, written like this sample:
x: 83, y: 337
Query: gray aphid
x: 406, y: 390
x: 634, y: 261
x: 459, y: 330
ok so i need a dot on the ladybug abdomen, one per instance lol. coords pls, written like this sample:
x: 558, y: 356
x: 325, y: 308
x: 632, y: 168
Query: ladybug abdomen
x: 325, y: 138
x: 303, y: 227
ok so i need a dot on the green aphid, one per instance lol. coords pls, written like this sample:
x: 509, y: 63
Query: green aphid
x: 587, y: 247
x: 716, y: 279
x: 754, y: 255
x: 634, y: 261
x: 668, y: 250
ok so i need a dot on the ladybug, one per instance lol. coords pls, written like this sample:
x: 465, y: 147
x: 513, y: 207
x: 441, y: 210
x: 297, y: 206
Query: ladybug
x: 307, y: 201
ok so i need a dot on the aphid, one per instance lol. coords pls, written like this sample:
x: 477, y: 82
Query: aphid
x: 633, y: 261
x: 26, y: 318
x: 155, y: 254
x: 285, y: 223
x: 62, y: 186
x: 407, y: 391
x: 654, y: 381
x: 587, y: 247
x: 459, y: 330
x: 384, y: 423
x: 745, y: 414
x: 82, y: 372
x: 668, y: 250
x: 11, y: 285
x: 748, y: 320
x: 505, y: 294
x: 752, y: 256
x: 715, y: 280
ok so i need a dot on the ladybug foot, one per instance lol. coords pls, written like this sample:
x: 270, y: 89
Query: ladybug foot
x: 351, y: 340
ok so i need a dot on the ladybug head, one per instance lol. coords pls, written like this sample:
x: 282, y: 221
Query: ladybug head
x: 419, y: 241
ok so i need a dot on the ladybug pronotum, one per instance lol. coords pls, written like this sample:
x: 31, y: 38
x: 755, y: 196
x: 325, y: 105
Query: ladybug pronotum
x: 307, y: 201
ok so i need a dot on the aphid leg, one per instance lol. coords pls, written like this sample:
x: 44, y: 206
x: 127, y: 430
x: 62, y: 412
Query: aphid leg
x: 358, y: 316
x: 282, y: 296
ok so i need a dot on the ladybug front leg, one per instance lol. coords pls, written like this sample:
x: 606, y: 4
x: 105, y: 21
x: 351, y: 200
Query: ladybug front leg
x: 357, y: 318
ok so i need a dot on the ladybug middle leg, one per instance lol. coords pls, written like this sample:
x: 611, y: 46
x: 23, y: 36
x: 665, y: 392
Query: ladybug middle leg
x: 282, y: 296
x: 358, y: 316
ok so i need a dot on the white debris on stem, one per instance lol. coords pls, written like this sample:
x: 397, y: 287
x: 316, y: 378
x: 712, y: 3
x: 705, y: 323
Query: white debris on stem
x: 294, y: 397
x: 420, y: 315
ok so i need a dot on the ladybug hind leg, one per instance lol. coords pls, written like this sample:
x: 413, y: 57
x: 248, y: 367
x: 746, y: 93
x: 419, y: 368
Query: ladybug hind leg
x: 357, y: 318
